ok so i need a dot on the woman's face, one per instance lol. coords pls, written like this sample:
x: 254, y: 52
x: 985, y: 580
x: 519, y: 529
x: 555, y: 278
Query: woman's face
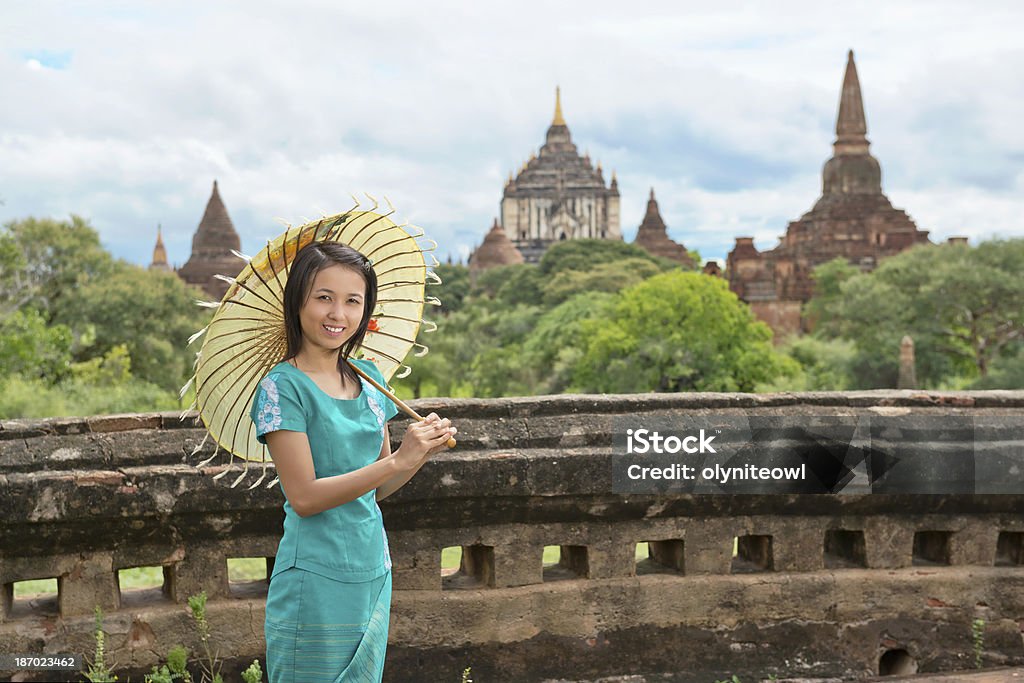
x: 333, y: 309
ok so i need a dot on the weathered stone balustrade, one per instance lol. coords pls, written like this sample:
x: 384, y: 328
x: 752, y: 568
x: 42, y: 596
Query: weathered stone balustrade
x: 826, y: 585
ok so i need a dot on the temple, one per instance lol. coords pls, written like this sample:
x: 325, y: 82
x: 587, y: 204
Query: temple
x: 211, y: 249
x: 653, y: 237
x: 853, y: 218
x: 558, y: 195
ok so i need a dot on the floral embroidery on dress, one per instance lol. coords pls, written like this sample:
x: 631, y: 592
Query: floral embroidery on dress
x: 268, y: 417
x: 375, y: 407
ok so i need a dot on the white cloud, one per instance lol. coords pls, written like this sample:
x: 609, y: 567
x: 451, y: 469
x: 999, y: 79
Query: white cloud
x: 727, y: 110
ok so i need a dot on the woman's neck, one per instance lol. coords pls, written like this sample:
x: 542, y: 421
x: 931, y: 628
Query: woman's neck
x: 316, y: 363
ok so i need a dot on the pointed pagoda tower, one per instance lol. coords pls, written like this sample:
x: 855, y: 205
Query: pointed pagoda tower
x: 159, y: 254
x: 211, y: 249
x: 852, y: 218
x: 653, y: 236
x: 852, y: 170
x: 558, y: 195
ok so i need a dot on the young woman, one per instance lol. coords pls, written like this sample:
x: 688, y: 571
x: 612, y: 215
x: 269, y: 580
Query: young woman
x: 330, y: 591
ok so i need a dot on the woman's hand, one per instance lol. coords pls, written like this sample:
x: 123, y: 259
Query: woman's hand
x: 423, y: 439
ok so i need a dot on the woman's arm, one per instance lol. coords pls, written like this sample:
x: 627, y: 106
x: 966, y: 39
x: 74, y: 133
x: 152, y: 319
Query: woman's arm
x: 309, y: 495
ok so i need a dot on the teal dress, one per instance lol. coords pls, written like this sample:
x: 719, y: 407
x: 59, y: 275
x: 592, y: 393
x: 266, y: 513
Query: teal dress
x: 330, y: 592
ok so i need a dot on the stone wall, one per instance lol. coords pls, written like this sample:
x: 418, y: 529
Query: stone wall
x: 784, y: 317
x: 822, y: 585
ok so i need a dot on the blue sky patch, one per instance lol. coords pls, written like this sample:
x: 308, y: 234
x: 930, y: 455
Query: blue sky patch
x: 50, y: 59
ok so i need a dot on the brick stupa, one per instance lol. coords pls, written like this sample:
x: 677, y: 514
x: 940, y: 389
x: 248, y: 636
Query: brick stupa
x: 853, y: 218
x: 211, y: 249
x: 653, y: 236
x: 496, y: 250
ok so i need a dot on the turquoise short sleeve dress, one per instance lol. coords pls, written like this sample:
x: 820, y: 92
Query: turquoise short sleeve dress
x: 329, y: 599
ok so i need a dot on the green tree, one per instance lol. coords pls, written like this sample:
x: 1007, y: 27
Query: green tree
x: 821, y: 365
x: 555, y: 345
x: 510, y: 286
x: 677, y: 332
x: 962, y: 306
x: 44, y: 261
x: 499, y: 371
x: 112, y: 368
x: 1006, y: 372
x: 608, y: 277
x: 476, y: 352
x: 583, y: 255
x: 31, y: 348
x: 454, y: 287
x: 20, y: 397
x: 441, y: 372
x: 828, y: 281
x: 151, y: 313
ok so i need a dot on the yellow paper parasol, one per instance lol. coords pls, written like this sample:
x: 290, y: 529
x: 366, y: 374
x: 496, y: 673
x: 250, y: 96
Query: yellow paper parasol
x: 246, y: 336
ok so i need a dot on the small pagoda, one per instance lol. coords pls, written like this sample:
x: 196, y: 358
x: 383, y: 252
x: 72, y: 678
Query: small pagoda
x: 211, y: 249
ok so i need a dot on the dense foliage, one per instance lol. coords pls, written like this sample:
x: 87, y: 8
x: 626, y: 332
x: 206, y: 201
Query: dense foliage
x: 593, y: 316
x: 83, y: 333
x: 962, y: 306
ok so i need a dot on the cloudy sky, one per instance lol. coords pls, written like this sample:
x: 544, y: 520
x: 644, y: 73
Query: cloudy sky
x: 125, y: 112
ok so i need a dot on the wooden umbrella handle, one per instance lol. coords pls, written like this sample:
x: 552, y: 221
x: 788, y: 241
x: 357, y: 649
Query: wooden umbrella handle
x: 397, y: 401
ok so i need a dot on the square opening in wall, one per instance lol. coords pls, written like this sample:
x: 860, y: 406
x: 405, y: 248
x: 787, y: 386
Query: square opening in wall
x: 467, y: 567
x: 660, y: 557
x: 931, y: 548
x: 37, y: 597
x: 1010, y: 549
x: 451, y: 560
x: 844, y: 549
x: 565, y: 562
x: 752, y: 554
x: 249, y: 577
x: 137, y: 586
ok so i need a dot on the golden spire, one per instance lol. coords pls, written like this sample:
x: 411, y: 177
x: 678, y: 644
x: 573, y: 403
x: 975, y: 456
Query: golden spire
x: 558, y: 120
x: 159, y: 252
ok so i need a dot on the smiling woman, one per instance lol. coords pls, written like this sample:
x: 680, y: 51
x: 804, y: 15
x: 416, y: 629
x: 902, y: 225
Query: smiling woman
x: 334, y: 312
x: 329, y: 599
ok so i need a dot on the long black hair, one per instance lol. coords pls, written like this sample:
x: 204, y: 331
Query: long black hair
x: 310, y: 260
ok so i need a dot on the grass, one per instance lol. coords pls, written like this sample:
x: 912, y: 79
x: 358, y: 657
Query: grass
x: 239, y: 569
x: 247, y: 569
x: 30, y: 589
